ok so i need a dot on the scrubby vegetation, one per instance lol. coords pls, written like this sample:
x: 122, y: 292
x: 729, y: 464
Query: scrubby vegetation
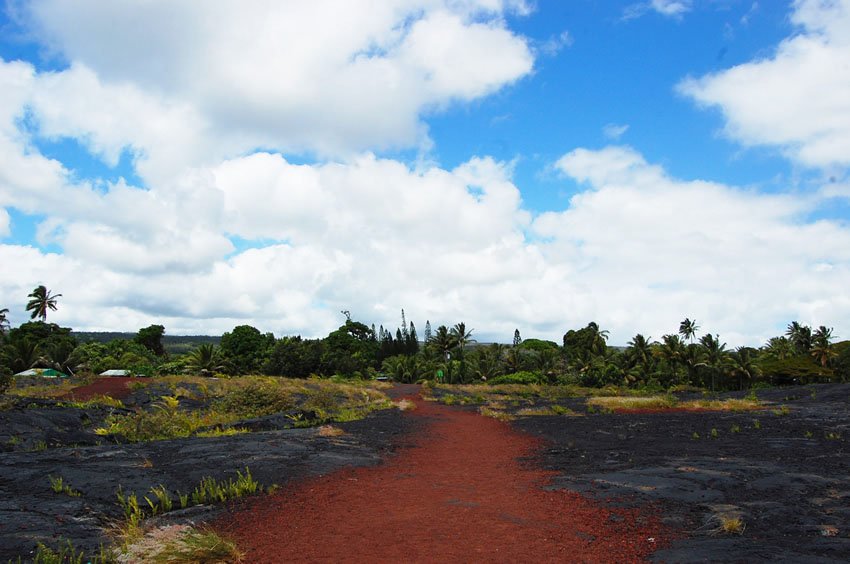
x: 68, y: 554
x: 227, y: 401
x: 449, y: 355
x: 160, y: 500
x: 181, y: 544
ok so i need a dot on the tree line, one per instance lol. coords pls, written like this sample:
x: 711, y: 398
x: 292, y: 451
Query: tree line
x: 449, y: 354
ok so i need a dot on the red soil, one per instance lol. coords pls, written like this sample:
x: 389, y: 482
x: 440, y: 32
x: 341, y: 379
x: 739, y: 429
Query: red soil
x: 460, y: 495
x: 117, y: 387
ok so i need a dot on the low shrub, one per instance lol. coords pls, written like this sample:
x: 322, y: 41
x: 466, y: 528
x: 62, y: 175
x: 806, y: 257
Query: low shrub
x: 614, y: 402
x: 723, y: 405
x: 522, y: 377
x: 241, y: 398
x: 164, y: 421
x: 729, y: 524
x: 256, y: 400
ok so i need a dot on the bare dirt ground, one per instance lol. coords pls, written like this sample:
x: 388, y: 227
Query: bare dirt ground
x: 446, y: 483
x: 466, y: 492
x: 113, y: 386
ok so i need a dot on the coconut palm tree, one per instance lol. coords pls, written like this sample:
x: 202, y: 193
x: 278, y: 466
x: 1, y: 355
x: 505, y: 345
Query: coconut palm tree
x: 443, y: 341
x: 716, y: 356
x: 779, y: 348
x: 640, y: 349
x: 598, y: 338
x: 800, y: 336
x: 742, y: 364
x: 671, y: 350
x: 463, y: 338
x: 41, y: 301
x: 688, y: 329
x: 692, y: 359
x: 639, y: 353
x: 821, y: 345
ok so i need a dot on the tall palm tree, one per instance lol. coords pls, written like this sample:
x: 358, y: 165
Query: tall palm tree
x: 462, y: 338
x: 671, y: 351
x: 639, y: 352
x: 41, y: 301
x: 688, y: 329
x: 821, y: 345
x: 716, y: 356
x: 743, y: 365
x: 800, y: 336
x: 461, y: 335
x: 692, y: 358
x: 640, y: 348
x: 443, y: 343
x: 598, y: 338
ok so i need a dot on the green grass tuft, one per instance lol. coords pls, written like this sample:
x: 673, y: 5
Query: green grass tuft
x: 59, y: 485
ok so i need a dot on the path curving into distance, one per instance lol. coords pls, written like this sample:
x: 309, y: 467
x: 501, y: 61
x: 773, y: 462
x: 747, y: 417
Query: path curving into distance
x: 462, y: 494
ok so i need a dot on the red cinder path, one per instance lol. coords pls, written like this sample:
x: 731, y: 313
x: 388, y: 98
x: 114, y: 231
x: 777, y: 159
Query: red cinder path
x: 460, y: 495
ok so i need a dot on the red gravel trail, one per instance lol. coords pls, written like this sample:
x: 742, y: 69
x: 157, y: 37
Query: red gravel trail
x: 113, y: 386
x: 459, y: 495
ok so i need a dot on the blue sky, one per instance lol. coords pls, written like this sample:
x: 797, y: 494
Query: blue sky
x: 510, y: 164
x: 622, y: 72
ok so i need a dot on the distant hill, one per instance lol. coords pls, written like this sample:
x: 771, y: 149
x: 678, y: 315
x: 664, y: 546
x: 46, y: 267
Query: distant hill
x: 174, y: 344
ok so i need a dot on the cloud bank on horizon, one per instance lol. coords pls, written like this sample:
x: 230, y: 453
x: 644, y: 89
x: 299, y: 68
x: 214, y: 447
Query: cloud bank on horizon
x: 203, y: 165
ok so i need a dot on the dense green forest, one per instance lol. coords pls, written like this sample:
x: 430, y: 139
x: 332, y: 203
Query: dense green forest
x: 173, y: 344
x: 684, y: 357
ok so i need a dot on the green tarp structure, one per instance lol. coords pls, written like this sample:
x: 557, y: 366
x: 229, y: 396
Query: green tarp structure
x: 43, y: 372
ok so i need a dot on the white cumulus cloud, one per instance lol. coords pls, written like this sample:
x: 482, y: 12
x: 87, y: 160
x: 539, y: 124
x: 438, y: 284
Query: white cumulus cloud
x: 637, y: 250
x: 188, y: 80
x: 798, y: 99
x: 646, y: 249
x: 667, y: 8
x: 228, y: 227
x: 671, y: 7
